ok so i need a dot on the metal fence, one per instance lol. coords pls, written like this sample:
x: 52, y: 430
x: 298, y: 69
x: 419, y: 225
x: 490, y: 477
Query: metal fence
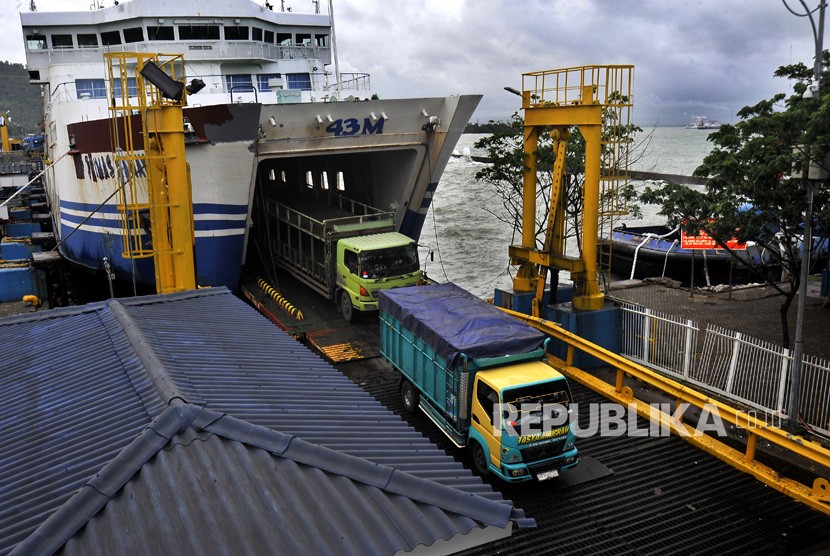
x: 815, y: 392
x: 659, y: 339
x: 745, y: 369
x: 729, y: 364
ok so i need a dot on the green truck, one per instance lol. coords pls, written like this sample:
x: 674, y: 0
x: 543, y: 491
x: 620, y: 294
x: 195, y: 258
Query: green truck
x: 479, y: 375
x: 345, y: 250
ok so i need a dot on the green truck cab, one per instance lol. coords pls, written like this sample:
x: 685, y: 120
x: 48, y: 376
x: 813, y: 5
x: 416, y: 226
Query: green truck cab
x: 345, y: 250
x: 367, y: 264
x: 479, y: 375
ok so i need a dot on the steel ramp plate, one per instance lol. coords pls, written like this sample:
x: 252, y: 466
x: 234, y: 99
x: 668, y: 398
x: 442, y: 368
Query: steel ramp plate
x: 340, y: 345
x: 588, y: 469
x: 323, y: 327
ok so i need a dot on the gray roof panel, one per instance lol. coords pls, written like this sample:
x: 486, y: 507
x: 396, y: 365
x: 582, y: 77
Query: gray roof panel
x: 81, y: 385
x: 227, y: 485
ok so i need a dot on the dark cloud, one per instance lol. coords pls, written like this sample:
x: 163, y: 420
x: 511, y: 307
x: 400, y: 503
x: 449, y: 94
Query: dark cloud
x: 692, y: 57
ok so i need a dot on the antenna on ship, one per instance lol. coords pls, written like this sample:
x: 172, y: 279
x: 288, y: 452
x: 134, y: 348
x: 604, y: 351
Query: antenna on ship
x: 334, y: 50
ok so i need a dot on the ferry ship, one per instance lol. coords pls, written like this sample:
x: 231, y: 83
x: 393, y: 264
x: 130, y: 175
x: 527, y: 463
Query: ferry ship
x: 274, y: 107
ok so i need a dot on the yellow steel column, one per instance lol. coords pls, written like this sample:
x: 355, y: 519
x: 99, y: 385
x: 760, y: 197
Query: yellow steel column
x: 4, y: 137
x: 560, y: 137
x: 526, y: 277
x: 169, y: 186
x: 588, y: 295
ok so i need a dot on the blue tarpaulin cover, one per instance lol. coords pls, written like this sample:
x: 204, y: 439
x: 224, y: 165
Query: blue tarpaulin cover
x: 452, y: 320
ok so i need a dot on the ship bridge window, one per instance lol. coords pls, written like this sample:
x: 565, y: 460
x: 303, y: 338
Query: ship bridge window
x: 303, y: 39
x: 62, y: 41
x: 87, y: 40
x: 321, y: 40
x: 161, y: 33
x: 236, y: 33
x: 262, y: 81
x: 36, y: 42
x: 134, y: 34
x: 256, y: 33
x: 298, y: 81
x: 239, y: 83
x: 132, y: 90
x: 110, y: 37
x: 284, y: 39
x: 198, y: 32
x: 93, y: 88
x: 269, y: 37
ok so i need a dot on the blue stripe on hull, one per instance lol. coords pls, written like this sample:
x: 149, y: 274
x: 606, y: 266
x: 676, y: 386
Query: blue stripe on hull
x: 412, y: 224
x: 218, y: 259
x: 198, y: 208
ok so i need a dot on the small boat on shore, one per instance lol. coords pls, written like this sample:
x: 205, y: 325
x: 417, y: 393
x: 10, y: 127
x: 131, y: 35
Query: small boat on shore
x: 654, y: 251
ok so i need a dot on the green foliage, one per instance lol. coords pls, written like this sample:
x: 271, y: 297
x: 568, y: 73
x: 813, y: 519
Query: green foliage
x: 490, y: 127
x: 21, y: 99
x: 750, y: 192
x: 753, y: 190
x: 505, y: 149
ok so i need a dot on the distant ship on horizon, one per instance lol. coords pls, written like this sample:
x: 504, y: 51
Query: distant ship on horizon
x: 702, y: 122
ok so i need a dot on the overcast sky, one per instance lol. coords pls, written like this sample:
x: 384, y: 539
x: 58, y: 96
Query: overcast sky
x: 691, y: 57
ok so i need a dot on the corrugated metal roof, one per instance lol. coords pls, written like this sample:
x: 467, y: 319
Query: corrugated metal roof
x: 80, y: 384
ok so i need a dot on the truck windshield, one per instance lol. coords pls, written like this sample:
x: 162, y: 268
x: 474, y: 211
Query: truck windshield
x: 529, y: 400
x: 392, y: 261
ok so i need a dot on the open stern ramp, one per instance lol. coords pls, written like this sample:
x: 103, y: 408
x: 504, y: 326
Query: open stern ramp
x: 388, y: 154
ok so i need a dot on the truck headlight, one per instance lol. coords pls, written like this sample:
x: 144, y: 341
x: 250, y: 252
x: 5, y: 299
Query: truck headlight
x: 568, y: 447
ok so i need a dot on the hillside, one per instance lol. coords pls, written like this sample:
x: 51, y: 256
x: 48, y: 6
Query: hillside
x: 20, y: 99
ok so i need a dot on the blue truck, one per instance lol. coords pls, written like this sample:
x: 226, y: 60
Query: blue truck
x: 479, y: 375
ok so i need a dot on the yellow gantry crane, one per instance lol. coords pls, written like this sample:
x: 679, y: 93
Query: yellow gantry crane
x: 148, y: 94
x: 595, y: 100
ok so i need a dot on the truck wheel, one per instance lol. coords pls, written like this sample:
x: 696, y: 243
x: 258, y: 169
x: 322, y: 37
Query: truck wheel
x: 479, y: 459
x: 410, y: 397
x: 346, y: 307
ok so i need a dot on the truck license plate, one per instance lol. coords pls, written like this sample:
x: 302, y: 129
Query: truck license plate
x: 545, y: 475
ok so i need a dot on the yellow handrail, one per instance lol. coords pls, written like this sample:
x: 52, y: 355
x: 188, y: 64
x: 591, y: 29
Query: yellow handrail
x: 817, y: 496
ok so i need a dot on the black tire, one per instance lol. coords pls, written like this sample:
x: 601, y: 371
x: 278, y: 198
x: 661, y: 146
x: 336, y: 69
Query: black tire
x: 479, y: 459
x: 346, y: 306
x: 410, y: 397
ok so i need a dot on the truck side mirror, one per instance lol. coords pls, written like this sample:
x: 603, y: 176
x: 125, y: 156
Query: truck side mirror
x: 431, y: 255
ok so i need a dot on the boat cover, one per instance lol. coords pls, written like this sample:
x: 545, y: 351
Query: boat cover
x: 451, y: 320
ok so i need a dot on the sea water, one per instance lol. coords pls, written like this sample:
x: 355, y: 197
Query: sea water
x: 470, y: 243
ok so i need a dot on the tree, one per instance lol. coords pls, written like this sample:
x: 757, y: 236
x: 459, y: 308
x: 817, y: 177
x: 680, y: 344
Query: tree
x: 756, y: 187
x: 505, y: 151
x: 504, y: 174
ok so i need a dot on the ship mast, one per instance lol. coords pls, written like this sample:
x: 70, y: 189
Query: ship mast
x: 334, y: 51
